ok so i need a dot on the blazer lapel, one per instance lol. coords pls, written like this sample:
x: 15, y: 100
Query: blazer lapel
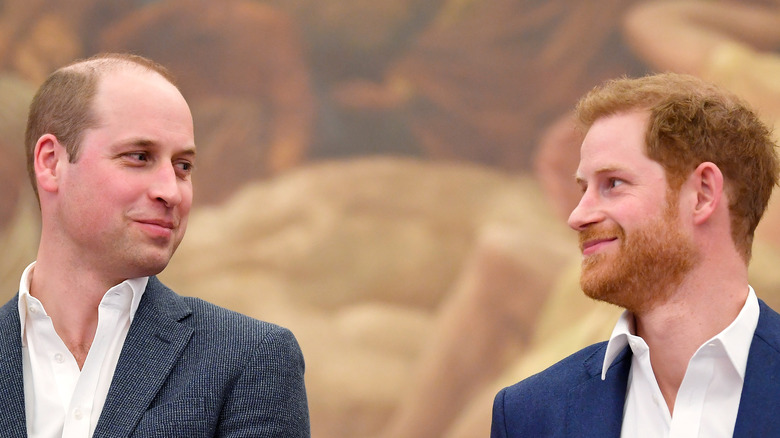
x: 154, y: 343
x: 595, y: 407
x: 759, y: 410
x: 12, y: 422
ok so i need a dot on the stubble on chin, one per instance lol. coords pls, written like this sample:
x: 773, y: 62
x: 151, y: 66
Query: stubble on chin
x: 140, y: 256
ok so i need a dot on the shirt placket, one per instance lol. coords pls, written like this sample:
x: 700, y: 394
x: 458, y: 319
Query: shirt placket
x: 689, y: 405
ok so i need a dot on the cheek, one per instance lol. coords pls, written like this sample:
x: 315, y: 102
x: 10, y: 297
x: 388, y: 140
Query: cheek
x: 182, y: 228
x: 638, y: 214
x: 186, y: 198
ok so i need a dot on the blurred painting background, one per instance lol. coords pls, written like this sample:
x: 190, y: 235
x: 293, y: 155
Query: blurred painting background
x: 390, y: 178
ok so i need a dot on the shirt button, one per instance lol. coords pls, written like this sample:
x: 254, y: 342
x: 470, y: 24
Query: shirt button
x: 59, y: 358
x: 33, y: 309
x: 77, y: 414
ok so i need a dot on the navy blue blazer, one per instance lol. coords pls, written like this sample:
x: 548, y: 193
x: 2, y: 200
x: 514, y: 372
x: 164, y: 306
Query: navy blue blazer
x: 187, y: 369
x: 569, y: 399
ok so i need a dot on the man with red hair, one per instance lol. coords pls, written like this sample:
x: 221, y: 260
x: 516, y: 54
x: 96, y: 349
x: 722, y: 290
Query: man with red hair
x: 675, y: 175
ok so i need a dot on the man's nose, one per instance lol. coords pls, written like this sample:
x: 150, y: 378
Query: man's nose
x: 586, y: 212
x: 165, y: 186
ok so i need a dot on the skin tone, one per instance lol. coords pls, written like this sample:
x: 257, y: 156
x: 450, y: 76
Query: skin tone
x: 121, y: 209
x: 624, y: 188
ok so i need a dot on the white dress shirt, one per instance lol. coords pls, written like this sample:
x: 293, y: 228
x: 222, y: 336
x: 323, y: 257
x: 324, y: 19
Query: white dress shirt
x: 61, y: 400
x: 708, y: 399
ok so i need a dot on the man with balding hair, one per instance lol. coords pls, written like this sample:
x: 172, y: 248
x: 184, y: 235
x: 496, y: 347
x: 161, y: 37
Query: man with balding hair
x: 94, y: 344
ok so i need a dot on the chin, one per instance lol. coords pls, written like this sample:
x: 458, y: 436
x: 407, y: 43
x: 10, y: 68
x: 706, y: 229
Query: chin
x: 152, y: 265
x: 603, y: 286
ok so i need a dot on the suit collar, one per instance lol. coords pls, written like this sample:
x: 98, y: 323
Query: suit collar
x: 595, y: 407
x: 758, y: 414
x: 154, y: 343
x: 12, y: 422
x: 598, y: 406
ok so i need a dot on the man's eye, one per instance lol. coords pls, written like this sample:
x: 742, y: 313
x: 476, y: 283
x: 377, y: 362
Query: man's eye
x: 184, y: 167
x: 614, y: 182
x: 138, y: 156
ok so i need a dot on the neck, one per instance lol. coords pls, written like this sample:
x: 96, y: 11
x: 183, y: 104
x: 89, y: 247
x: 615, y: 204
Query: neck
x: 71, y: 297
x: 703, y: 306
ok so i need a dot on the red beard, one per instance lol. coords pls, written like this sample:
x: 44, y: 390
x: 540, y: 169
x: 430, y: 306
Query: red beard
x: 650, y: 264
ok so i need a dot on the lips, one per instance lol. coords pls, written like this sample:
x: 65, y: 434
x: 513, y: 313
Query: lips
x: 594, y: 239
x: 591, y: 246
x: 158, y: 222
x: 157, y: 228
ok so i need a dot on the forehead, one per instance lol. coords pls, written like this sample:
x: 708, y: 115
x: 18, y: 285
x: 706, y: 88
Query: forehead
x: 131, y: 98
x: 127, y: 81
x: 616, y: 142
x: 133, y: 85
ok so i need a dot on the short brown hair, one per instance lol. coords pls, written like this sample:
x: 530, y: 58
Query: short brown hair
x: 62, y: 105
x: 691, y: 122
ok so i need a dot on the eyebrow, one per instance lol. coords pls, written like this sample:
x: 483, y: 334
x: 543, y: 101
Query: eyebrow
x: 190, y: 152
x: 146, y: 143
x: 608, y: 169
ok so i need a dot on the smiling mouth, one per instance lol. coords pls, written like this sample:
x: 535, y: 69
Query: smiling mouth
x: 157, y: 229
x: 158, y: 223
x: 591, y: 246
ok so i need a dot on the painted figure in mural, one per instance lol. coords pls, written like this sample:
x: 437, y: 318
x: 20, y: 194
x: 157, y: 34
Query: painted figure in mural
x: 467, y: 91
x: 675, y: 175
x: 94, y: 344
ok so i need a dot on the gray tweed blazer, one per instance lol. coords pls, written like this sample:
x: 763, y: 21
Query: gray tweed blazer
x: 187, y: 369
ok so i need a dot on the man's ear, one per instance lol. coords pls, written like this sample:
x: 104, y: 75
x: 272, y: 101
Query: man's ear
x: 707, y: 181
x: 46, y: 158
